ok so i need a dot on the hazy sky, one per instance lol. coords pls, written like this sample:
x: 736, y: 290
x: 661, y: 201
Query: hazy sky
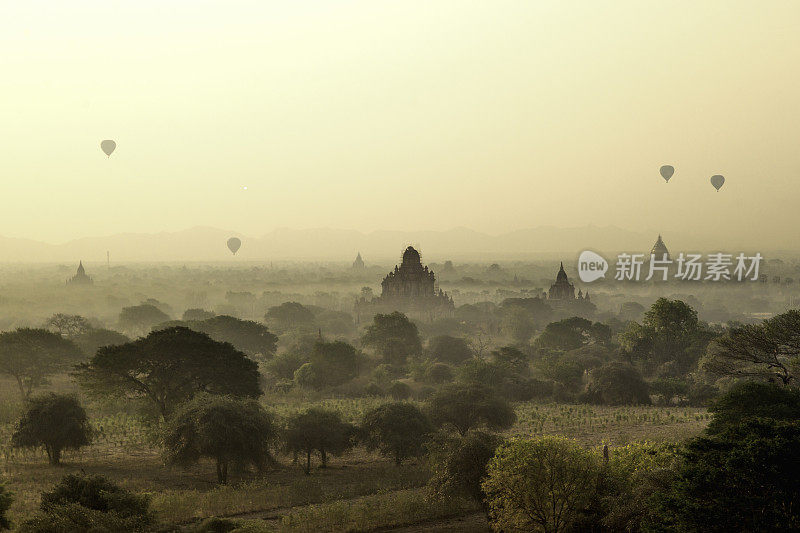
x: 398, y: 115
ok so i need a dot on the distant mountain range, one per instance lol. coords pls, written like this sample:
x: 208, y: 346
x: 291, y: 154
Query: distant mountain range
x: 459, y: 244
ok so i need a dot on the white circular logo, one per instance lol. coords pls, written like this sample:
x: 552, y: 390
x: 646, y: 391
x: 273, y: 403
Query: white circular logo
x: 591, y: 266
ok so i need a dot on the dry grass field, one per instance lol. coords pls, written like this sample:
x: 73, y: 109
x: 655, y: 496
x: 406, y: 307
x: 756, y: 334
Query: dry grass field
x: 359, y: 491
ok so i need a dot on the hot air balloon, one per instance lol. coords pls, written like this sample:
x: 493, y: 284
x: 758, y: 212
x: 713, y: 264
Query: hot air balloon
x: 234, y: 243
x: 717, y: 181
x: 667, y: 171
x: 108, y: 147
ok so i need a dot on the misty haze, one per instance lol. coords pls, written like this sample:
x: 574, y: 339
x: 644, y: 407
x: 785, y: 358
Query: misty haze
x: 412, y: 267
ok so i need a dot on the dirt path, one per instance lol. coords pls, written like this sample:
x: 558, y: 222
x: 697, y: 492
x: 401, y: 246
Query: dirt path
x: 472, y: 523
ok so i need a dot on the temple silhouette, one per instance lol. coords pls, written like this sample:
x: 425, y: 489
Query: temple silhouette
x: 410, y: 288
x: 660, y: 250
x: 563, y: 290
x: 358, y: 264
x: 80, y: 277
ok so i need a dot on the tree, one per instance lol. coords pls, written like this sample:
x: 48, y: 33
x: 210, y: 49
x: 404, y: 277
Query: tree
x: 248, y: 336
x: 617, y: 383
x: 140, y: 318
x: 5, y: 504
x: 631, y: 311
x: 573, y: 333
x: 168, y: 367
x: 769, y: 350
x: 513, y: 358
x: 670, y: 333
x: 92, y: 340
x: 86, y: 504
x: 631, y: 476
x: 307, y: 376
x: 394, y: 337
x: 290, y: 315
x: 754, y: 400
x: 538, y: 308
x: 225, y: 429
x: 336, y: 362
x: 542, y: 484
x: 468, y: 406
x: 674, y: 319
x: 449, y: 349
x: 55, y: 421
x: 197, y: 314
x: 397, y: 429
x: 69, y: 326
x: 321, y: 430
x: 459, y: 464
x: 284, y: 366
x: 400, y: 390
x: 743, y: 478
x: 31, y: 355
x: 519, y: 324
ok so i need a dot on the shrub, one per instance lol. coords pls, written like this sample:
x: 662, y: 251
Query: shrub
x: 97, y: 493
x: 84, y: 503
x: 55, y: 421
x: 216, y: 525
x: 74, y: 518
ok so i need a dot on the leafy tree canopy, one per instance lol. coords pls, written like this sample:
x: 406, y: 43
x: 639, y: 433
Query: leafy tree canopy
x: 289, y: 315
x: 321, y: 430
x: 92, y: 340
x: 467, y: 406
x: 572, y: 333
x: 447, y: 349
x: 55, y: 421
x: 248, y: 336
x: 459, y: 464
x: 168, y: 367
x: 31, y: 355
x: 617, y: 383
x: 743, y: 478
x: 394, y: 337
x: 399, y: 430
x: 543, y: 484
x: 225, y: 429
x: 770, y: 350
x: 754, y: 400
x: 69, y: 326
x: 140, y: 318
